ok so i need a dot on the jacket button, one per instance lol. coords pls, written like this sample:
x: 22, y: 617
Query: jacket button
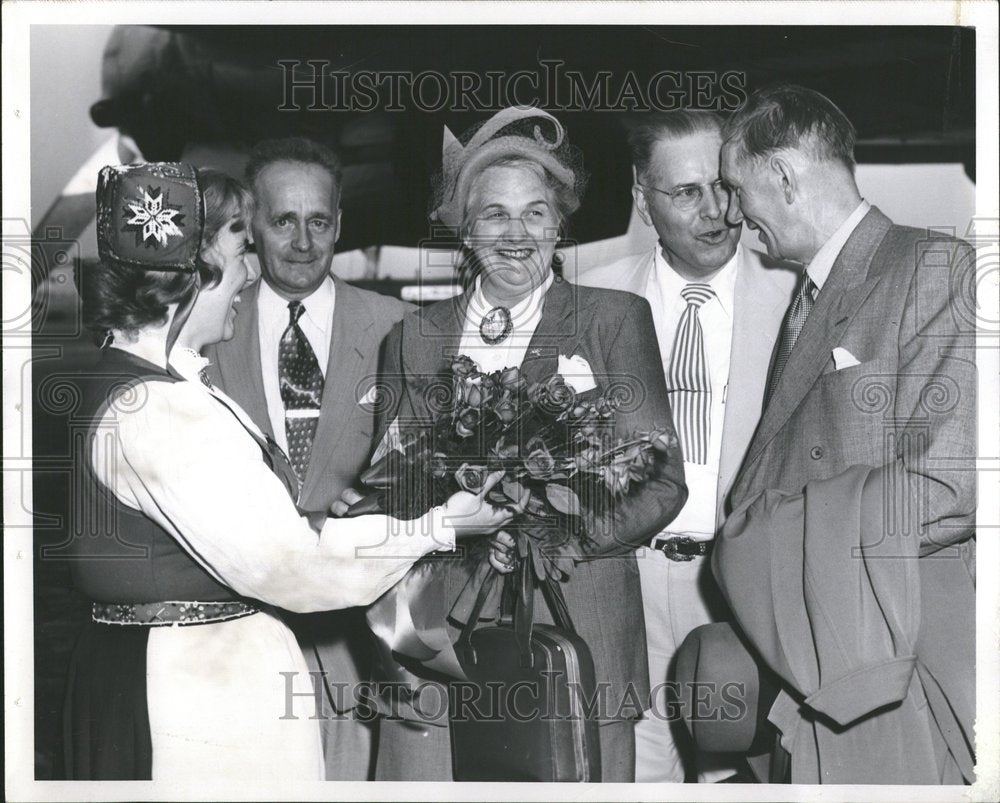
x: 816, y: 453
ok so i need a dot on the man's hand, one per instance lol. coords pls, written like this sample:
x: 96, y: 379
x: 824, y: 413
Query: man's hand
x: 471, y: 515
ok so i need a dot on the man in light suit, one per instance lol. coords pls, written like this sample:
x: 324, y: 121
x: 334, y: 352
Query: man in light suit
x: 338, y: 330
x: 678, y: 192
x: 874, y: 372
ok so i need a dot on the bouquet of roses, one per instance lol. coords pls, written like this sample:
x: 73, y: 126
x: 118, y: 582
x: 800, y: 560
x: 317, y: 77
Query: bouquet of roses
x: 563, y: 465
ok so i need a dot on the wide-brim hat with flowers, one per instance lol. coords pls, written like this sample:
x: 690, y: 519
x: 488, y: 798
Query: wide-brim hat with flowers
x: 519, y: 131
x: 150, y: 216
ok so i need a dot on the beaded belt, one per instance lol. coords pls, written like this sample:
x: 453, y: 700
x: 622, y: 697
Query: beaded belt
x: 155, y: 614
x: 681, y: 547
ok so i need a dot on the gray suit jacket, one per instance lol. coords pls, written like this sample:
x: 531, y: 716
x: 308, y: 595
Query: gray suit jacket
x: 902, y: 303
x: 343, y: 442
x: 764, y: 289
x: 341, y: 449
x: 614, y: 332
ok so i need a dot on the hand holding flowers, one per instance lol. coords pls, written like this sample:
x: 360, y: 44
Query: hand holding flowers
x: 546, y: 454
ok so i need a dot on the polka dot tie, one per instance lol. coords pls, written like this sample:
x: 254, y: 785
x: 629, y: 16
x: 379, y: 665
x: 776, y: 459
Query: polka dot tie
x: 301, y: 384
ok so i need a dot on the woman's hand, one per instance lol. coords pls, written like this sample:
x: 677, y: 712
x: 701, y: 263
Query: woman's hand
x: 347, y: 498
x: 503, y: 556
x: 471, y: 515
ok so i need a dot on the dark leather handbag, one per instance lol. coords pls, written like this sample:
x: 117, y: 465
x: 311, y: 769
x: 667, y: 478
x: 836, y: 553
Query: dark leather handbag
x: 524, y: 714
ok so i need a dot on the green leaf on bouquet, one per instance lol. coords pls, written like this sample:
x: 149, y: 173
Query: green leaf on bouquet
x: 565, y: 564
x: 522, y: 546
x: 563, y: 499
x: 515, y: 492
x: 559, y: 567
x: 537, y: 563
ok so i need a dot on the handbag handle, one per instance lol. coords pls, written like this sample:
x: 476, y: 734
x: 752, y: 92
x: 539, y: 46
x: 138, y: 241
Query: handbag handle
x: 463, y: 647
x: 524, y: 614
x: 523, y: 611
x: 554, y: 598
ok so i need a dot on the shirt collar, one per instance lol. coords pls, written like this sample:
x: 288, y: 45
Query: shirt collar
x: 820, y: 266
x: 522, y: 312
x: 187, y: 362
x: 318, y: 305
x: 723, y: 282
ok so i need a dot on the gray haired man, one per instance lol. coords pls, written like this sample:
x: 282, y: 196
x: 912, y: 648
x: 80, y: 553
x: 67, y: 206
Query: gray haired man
x: 717, y: 307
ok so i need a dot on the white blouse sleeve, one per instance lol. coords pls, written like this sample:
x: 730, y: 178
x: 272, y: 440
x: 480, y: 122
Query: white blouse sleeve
x: 185, y: 461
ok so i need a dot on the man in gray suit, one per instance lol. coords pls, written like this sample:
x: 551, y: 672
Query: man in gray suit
x: 874, y: 373
x: 302, y: 363
x: 678, y: 192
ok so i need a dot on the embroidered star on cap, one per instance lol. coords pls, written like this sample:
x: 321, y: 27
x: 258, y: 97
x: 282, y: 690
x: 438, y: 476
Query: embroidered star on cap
x: 150, y: 216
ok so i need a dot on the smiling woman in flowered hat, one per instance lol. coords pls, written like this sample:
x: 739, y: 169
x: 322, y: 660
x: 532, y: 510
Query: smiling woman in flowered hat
x: 507, y: 189
x: 187, y: 532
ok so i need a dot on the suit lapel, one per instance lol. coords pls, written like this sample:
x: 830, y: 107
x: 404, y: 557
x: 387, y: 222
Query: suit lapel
x: 555, y: 333
x: 239, y: 362
x: 759, y: 301
x: 350, y: 341
x: 845, y: 290
x: 431, y: 337
x: 635, y: 281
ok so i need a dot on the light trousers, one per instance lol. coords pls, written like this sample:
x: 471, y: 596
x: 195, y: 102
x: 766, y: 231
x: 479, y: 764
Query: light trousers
x: 677, y: 597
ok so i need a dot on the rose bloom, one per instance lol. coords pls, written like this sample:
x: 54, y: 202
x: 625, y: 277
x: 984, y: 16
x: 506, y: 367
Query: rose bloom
x: 511, y: 379
x: 560, y: 395
x: 605, y: 407
x: 471, y: 478
x: 467, y: 423
x: 506, y: 451
x: 462, y: 365
x: 540, y: 463
x: 538, y: 394
x: 474, y: 395
x: 506, y: 412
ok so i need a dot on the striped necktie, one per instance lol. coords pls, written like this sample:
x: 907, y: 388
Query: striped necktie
x: 791, y: 328
x: 688, y: 380
x: 301, y: 383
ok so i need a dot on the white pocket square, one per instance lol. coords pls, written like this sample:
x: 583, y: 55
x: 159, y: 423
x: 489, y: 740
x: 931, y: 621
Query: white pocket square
x: 842, y: 359
x: 390, y: 440
x: 370, y: 398
x: 576, y: 372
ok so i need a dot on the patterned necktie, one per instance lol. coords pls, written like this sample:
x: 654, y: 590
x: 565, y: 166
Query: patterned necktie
x: 688, y: 380
x: 301, y: 383
x: 791, y: 327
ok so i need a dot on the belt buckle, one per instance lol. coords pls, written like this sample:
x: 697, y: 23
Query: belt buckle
x: 669, y: 547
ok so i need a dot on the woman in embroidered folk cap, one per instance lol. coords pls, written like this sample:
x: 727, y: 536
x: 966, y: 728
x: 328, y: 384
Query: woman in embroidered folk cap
x: 507, y: 190
x: 187, y: 537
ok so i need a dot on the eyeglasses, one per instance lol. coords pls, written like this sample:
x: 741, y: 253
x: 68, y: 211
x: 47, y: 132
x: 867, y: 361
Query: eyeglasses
x: 690, y: 196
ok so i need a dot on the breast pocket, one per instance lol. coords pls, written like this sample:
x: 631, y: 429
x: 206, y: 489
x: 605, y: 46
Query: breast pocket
x: 862, y: 382
x: 856, y: 409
